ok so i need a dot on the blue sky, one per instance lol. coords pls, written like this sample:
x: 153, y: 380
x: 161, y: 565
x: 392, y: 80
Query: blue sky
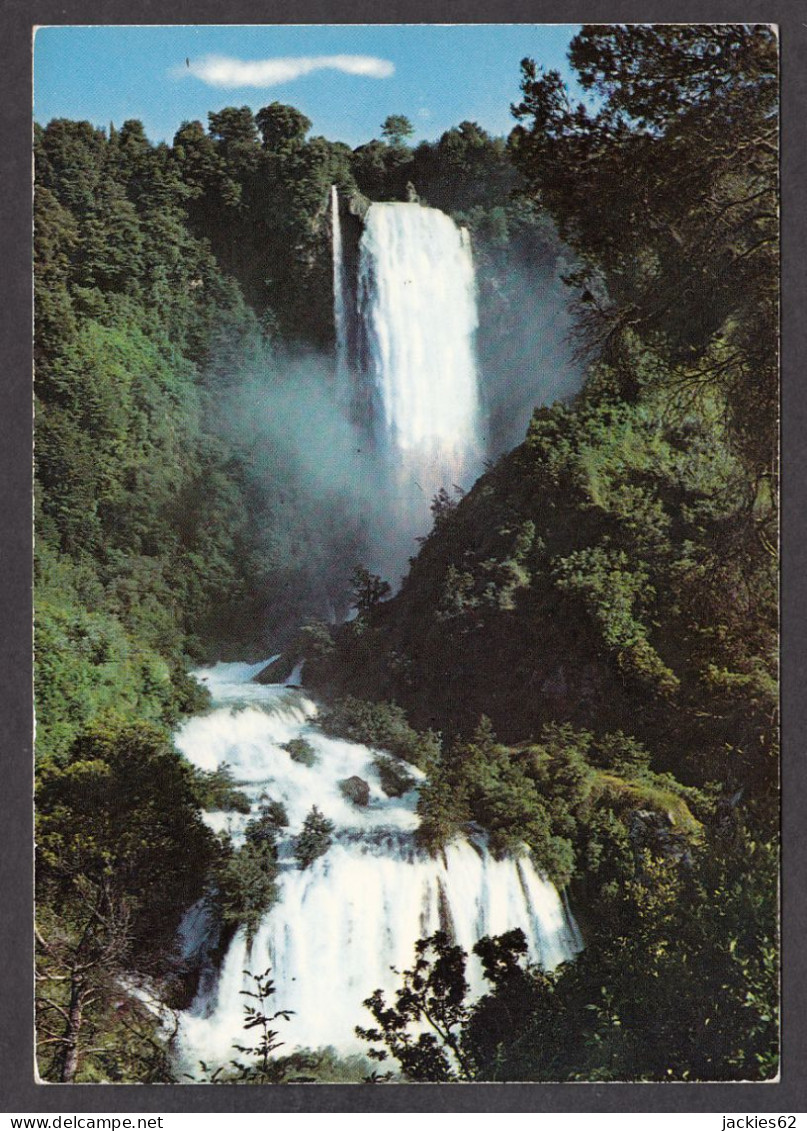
x: 345, y: 78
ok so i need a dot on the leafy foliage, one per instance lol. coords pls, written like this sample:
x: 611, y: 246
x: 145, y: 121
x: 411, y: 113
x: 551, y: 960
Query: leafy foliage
x: 606, y: 593
x: 217, y: 790
x: 259, y: 193
x: 608, y: 571
x: 433, y: 994
x: 617, y: 1012
x: 689, y: 105
x: 244, y: 885
x: 368, y: 589
x: 314, y: 840
x: 382, y: 725
x: 302, y: 751
x: 97, y: 1018
x: 264, y: 1068
x: 551, y: 798
x: 121, y: 851
x: 255, y: 1017
x: 122, y: 811
x: 396, y: 128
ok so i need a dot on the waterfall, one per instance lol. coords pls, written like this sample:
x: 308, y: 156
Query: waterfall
x: 410, y: 346
x: 339, y: 315
x: 405, y: 320
x: 342, y: 923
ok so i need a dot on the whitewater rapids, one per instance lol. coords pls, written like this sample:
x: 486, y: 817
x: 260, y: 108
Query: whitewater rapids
x: 342, y: 924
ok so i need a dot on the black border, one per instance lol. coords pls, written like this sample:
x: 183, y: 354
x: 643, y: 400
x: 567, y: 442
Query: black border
x: 18, y: 1092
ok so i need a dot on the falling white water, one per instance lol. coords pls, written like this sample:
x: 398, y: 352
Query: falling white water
x: 417, y: 305
x: 339, y: 318
x: 341, y: 924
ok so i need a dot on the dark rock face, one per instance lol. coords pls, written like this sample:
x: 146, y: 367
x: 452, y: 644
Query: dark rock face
x: 363, y: 407
x: 358, y: 204
x: 654, y: 831
x: 356, y: 790
x: 276, y: 671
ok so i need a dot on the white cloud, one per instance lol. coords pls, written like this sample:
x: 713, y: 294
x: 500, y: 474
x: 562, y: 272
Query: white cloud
x: 222, y: 71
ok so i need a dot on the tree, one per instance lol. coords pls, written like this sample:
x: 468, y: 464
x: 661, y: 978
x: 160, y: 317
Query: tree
x: 73, y: 968
x: 112, y: 245
x: 396, y: 128
x: 433, y: 994
x: 371, y: 168
x: 70, y: 162
x: 369, y: 590
x: 121, y: 853
x: 256, y: 1017
x: 265, y: 1069
x: 121, y: 816
x: 382, y: 725
x: 464, y: 170
x: 443, y: 505
x: 314, y: 840
x: 443, y: 810
x: 617, y: 1012
x: 281, y: 126
x: 199, y: 164
x: 56, y: 238
x: 236, y: 135
x: 244, y: 881
x: 689, y: 106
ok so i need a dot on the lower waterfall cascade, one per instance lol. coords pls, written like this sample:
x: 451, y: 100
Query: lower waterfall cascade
x: 343, y: 923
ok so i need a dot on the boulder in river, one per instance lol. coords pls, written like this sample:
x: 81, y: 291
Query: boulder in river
x: 356, y: 790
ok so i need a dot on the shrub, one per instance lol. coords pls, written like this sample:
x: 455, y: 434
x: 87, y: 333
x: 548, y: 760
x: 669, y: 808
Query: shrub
x: 314, y: 840
x: 383, y: 725
x: 244, y: 885
x: 273, y: 812
x: 216, y: 790
x: 300, y: 750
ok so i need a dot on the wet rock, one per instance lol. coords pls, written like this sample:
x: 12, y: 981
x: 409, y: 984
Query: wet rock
x: 276, y: 671
x: 358, y: 204
x: 356, y: 789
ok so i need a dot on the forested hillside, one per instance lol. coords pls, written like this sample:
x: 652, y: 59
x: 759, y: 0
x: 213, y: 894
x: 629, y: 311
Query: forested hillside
x: 616, y: 574
x: 589, y: 634
x: 169, y: 279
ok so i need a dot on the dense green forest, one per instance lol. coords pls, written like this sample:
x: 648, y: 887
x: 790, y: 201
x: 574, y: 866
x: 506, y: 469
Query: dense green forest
x: 583, y: 654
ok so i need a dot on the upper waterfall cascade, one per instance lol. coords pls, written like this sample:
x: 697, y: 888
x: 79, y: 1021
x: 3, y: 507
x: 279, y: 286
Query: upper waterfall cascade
x: 341, y: 924
x: 412, y: 356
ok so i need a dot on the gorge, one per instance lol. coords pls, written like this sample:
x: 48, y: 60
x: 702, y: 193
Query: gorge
x: 345, y: 924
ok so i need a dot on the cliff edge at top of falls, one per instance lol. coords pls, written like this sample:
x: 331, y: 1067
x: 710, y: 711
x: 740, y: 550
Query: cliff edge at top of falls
x: 358, y: 204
